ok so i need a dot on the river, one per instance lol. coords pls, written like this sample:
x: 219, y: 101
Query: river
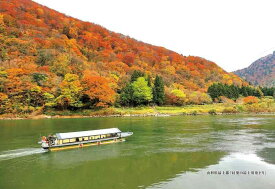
x: 232, y: 151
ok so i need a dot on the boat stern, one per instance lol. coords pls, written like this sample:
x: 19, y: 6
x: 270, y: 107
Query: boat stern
x: 44, y: 143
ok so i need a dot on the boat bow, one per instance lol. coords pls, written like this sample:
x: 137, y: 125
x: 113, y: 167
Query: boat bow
x: 126, y: 134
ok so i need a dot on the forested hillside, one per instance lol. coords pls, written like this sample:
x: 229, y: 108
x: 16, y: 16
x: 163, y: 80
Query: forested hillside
x: 48, y: 59
x: 261, y: 72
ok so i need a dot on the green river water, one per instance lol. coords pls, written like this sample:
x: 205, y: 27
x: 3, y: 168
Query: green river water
x: 165, y: 152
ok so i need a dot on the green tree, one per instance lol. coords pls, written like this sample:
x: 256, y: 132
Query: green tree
x: 35, y: 97
x: 136, y: 74
x: 234, y: 92
x: 149, y: 80
x: 268, y: 91
x: 158, y: 91
x: 39, y: 78
x: 70, y: 92
x: 142, y: 93
x: 243, y: 91
x: 49, y: 100
x: 258, y: 93
x: 215, y: 90
x: 126, y: 96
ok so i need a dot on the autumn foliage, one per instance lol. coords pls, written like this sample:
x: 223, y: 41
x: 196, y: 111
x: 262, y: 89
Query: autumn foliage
x: 250, y: 100
x: 49, y: 59
x: 98, y: 91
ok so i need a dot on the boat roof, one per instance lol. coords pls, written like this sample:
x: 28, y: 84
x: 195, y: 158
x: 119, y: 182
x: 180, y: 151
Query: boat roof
x: 87, y: 133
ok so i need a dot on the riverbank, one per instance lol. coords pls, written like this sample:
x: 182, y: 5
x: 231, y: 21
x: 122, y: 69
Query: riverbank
x: 212, y: 109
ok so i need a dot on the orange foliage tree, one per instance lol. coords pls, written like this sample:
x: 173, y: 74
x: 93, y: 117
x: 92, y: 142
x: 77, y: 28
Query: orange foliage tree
x: 250, y: 100
x: 98, y: 91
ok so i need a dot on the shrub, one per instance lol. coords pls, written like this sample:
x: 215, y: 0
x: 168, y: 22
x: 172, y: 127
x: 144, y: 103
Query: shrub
x: 250, y: 100
x: 194, y: 113
x: 176, y: 97
x: 230, y: 110
x: 196, y: 97
x: 255, y: 108
x: 240, y: 108
x: 212, y: 112
x: 224, y: 99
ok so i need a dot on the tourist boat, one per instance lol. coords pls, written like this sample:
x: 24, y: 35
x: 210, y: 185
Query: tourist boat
x: 61, y: 141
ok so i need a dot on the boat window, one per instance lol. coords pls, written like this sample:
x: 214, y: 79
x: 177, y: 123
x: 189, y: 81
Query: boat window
x: 108, y: 135
x: 72, y: 139
x: 85, y: 138
x: 66, y: 141
x: 103, y: 136
x: 97, y: 136
x: 59, y: 141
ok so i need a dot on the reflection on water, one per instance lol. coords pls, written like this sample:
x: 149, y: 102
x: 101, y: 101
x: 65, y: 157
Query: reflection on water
x: 267, y: 154
x: 164, y: 152
x: 246, y: 121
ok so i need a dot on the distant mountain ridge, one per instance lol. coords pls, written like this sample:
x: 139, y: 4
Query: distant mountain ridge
x: 261, y: 72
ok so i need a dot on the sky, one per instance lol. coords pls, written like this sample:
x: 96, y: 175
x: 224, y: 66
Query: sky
x: 232, y: 33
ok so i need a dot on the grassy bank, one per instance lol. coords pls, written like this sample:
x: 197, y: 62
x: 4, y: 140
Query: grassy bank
x: 213, y: 109
x: 263, y: 106
x: 170, y: 110
x: 220, y: 108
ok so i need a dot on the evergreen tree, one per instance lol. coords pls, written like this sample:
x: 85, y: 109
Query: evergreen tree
x: 249, y: 91
x: 258, y: 93
x: 234, y: 92
x: 215, y: 90
x: 158, y: 91
x: 149, y: 80
x: 243, y: 91
x: 136, y: 74
x: 268, y: 91
x: 126, y: 96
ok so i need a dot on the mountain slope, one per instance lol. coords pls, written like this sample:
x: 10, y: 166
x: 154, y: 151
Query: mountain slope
x: 34, y: 36
x: 261, y: 72
x: 48, y: 59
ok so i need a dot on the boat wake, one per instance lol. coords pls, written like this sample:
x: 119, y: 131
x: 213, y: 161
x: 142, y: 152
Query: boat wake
x: 11, y: 154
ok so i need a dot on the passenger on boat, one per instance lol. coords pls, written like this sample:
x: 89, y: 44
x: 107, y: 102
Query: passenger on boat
x: 51, y: 140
